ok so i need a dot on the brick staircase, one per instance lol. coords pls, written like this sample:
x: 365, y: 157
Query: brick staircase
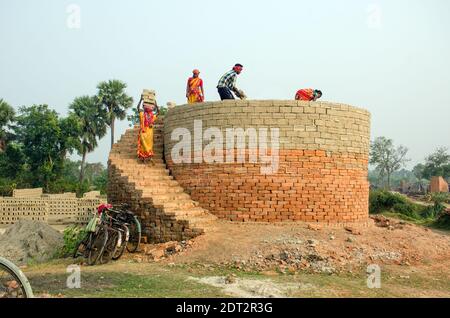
x: 166, y: 211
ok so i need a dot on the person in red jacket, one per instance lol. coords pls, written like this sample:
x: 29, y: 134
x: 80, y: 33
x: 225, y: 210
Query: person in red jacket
x: 308, y: 94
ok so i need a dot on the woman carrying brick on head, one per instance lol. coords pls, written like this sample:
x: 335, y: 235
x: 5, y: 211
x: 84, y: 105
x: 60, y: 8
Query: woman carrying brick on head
x: 147, y: 119
x: 194, y: 88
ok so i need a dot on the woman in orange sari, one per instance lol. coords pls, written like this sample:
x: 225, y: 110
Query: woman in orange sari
x: 147, y: 119
x: 194, y: 89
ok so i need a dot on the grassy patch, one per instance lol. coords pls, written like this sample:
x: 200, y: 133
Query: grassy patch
x: 159, y: 280
x: 109, y: 284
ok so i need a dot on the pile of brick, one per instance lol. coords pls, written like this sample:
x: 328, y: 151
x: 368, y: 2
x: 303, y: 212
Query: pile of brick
x: 322, y: 161
x: 166, y: 212
x: 438, y: 184
x: 13, y: 209
x: 27, y: 193
x: 33, y: 205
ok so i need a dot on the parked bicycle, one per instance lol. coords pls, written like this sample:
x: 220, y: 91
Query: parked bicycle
x: 93, y: 244
x: 13, y: 282
x: 118, y: 235
x: 134, y: 226
x: 112, y: 231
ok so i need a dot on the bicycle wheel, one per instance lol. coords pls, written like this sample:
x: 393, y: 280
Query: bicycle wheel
x: 82, y: 247
x: 125, y: 236
x: 111, y: 245
x: 13, y: 283
x: 98, y: 245
x: 135, y: 235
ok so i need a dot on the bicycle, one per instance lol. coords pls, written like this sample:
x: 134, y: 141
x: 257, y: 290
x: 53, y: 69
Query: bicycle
x: 134, y: 227
x: 13, y: 282
x: 93, y: 244
x: 108, y: 236
x: 118, y: 235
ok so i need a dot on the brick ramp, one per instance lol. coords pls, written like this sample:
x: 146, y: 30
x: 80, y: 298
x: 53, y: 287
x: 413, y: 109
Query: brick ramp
x: 166, y: 211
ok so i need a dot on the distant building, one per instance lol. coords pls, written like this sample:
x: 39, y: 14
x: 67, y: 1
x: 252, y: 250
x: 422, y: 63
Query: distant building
x: 438, y: 184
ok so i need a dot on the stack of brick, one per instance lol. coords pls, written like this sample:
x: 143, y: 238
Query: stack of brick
x: 92, y: 195
x: 27, y: 193
x: 149, y: 96
x: 15, y: 209
x: 166, y: 212
x: 323, y: 162
x: 438, y: 184
x: 51, y: 208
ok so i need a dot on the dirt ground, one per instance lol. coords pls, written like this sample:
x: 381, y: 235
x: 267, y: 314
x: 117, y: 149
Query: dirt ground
x: 298, y: 246
x: 256, y: 260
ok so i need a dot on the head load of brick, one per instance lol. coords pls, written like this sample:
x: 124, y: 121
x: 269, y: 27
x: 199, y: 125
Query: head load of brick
x: 149, y: 96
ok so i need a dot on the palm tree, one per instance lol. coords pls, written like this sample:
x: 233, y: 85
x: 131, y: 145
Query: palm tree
x: 7, y: 115
x: 112, y: 96
x: 93, y: 123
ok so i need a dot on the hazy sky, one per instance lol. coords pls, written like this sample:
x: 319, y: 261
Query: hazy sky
x: 391, y: 57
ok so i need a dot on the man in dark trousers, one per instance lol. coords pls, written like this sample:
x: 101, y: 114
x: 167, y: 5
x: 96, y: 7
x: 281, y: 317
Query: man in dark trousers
x: 227, y: 84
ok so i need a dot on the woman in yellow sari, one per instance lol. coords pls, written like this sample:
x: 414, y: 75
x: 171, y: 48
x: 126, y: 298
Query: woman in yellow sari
x: 194, y: 88
x: 147, y: 119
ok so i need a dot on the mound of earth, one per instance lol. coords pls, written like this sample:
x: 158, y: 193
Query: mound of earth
x: 30, y: 241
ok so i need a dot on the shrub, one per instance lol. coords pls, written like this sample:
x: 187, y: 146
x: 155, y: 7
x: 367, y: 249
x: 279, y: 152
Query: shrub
x: 72, y: 236
x: 443, y: 221
x: 385, y: 201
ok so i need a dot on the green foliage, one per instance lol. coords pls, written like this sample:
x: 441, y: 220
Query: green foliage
x: 443, y: 221
x: 112, y: 97
x: 6, y: 187
x: 12, y: 161
x: 92, y: 119
x: 45, y: 142
x: 101, y: 181
x: 387, y: 158
x: 438, y: 207
x: 7, y: 116
x: 432, y: 211
x: 437, y: 164
x: 439, y: 198
x: 133, y: 118
x: 382, y: 201
x: 72, y: 236
x: 163, y: 110
x: 393, y: 204
x: 6, y: 113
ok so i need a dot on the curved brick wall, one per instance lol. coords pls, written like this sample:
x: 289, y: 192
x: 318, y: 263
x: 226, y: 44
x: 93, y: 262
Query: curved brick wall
x: 323, y: 161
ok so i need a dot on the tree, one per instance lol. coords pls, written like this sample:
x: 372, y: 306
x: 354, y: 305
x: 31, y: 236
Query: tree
x: 387, y: 158
x: 93, y: 122
x: 7, y: 115
x: 418, y: 173
x: 111, y: 95
x: 12, y: 161
x: 45, y: 140
x: 437, y: 164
